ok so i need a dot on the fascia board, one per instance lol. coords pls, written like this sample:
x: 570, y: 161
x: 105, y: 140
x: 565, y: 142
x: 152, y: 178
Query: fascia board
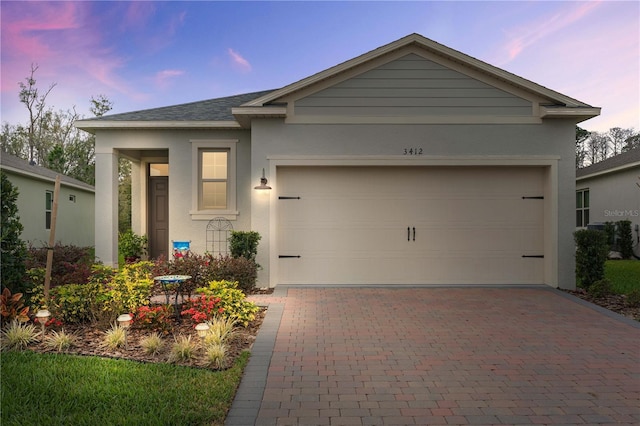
x: 89, y: 125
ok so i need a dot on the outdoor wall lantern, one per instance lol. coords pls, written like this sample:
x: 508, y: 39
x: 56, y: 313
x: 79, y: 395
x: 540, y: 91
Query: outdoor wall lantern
x: 263, y: 183
x: 43, y: 316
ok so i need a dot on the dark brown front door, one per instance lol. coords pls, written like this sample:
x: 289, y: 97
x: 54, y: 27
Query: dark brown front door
x: 158, y: 216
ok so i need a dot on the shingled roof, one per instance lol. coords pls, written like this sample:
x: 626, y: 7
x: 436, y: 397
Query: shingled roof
x: 620, y: 161
x: 218, y: 109
x: 11, y: 163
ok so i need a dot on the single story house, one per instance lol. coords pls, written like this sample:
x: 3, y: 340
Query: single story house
x: 76, y: 213
x: 609, y: 191
x: 410, y: 164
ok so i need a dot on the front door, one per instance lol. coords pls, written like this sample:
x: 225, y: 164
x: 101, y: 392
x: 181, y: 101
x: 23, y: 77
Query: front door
x: 158, y: 216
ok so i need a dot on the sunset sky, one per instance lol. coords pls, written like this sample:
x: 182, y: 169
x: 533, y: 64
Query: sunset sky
x: 148, y: 54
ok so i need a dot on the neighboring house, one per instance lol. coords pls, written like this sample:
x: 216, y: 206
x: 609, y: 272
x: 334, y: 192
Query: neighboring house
x: 35, y: 184
x: 609, y: 191
x: 410, y: 164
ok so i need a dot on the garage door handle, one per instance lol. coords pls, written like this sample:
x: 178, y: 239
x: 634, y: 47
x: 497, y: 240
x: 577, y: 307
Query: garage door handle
x: 414, y: 233
x: 408, y: 233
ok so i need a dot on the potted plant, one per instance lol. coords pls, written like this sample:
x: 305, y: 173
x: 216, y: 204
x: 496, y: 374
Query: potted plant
x: 132, y: 246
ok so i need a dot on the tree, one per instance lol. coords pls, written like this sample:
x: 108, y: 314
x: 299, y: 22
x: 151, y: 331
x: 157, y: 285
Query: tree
x: 632, y: 142
x: 50, y: 139
x: 35, y: 102
x: 13, y: 249
x: 597, y: 147
x: 617, y: 137
x: 581, y: 136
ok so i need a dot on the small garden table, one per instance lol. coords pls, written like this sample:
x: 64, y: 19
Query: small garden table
x: 172, y: 282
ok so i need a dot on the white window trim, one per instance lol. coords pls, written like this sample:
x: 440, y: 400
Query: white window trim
x: 582, y: 209
x: 230, y: 212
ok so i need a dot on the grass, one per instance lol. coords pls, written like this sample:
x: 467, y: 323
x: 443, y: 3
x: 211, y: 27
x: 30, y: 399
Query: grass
x: 57, y: 389
x: 623, y: 274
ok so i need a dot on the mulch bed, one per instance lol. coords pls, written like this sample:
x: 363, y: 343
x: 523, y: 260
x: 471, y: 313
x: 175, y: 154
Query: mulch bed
x: 89, y: 340
x: 614, y: 302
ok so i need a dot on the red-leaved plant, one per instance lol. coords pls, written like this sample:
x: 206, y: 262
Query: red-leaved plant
x: 203, y: 308
x: 158, y: 318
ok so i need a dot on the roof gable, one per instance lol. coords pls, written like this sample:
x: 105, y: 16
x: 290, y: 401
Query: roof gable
x: 431, y: 49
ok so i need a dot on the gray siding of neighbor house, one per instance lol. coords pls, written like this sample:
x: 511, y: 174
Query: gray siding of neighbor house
x: 614, y: 196
x: 75, y: 220
x: 413, y: 86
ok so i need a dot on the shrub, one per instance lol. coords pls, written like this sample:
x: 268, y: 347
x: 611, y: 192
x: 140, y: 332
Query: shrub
x: 244, y: 244
x: 153, y: 344
x: 183, y: 349
x: 600, y: 288
x: 241, y: 270
x: 76, y: 303
x: 12, y: 307
x: 12, y: 248
x: 132, y: 246
x: 115, y: 337
x: 158, y: 318
x: 232, y: 301
x: 72, y: 264
x: 203, y: 308
x: 221, y: 329
x: 216, y: 356
x: 17, y: 336
x: 625, y: 238
x: 59, y: 342
x: 129, y: 288
x: 591, y: 255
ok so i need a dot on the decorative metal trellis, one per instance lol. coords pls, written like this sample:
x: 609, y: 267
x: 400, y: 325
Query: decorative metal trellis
x: 218, y: 233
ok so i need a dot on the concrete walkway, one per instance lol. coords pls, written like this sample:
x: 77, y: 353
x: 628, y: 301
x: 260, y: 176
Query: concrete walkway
x: 436, y: 356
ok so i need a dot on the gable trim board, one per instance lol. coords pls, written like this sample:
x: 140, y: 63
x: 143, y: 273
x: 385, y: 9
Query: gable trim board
x: 452, y: 115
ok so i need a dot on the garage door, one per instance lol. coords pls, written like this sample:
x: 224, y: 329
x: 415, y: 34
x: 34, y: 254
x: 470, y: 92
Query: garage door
x: 410, y: 225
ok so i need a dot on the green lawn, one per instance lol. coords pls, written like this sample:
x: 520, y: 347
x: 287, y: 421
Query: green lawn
x: 623, y: 274
x: 52, y: 389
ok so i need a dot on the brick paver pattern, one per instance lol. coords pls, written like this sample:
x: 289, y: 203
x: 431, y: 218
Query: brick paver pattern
x: 435, y: 356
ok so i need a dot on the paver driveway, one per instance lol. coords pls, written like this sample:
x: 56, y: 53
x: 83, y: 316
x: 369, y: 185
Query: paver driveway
x: 429, y: 356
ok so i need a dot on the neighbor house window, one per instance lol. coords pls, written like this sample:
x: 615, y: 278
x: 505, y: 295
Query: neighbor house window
x: 213, y: 179
x: 582, y: 208
x: 48, y: 207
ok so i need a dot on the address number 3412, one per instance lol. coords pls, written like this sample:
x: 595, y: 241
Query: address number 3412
x: 412, y: 151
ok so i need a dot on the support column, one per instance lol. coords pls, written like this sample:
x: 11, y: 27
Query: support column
x: 106, y: 211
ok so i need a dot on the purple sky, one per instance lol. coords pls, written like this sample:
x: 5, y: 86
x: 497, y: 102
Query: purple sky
x: 149, y: 54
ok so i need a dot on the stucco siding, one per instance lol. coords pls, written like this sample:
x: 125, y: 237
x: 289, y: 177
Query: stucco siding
x: 175, y: 147
x: 75, y: 219
x: 413, y: 86
x: 554, y: 138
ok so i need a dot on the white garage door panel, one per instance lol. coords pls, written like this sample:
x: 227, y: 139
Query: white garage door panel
x: 350, y: 225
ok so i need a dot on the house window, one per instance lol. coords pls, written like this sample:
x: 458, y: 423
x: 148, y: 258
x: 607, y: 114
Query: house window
x: 582, y: 208
x: 214, y: 179
x: 214, y: 166
x: 48, y: 207
x: 72, y: 198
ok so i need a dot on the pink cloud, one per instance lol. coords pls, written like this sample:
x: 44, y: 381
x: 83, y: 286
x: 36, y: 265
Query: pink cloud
x: 526, y: 36
x: 163, y: 78
x: 238, y: 61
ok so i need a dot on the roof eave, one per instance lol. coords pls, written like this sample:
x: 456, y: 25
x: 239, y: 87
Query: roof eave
x: 245, y: 114
x: 578, y: 113
x: 92, y: 125
x: 37, y: 176
x: 611, y: 170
